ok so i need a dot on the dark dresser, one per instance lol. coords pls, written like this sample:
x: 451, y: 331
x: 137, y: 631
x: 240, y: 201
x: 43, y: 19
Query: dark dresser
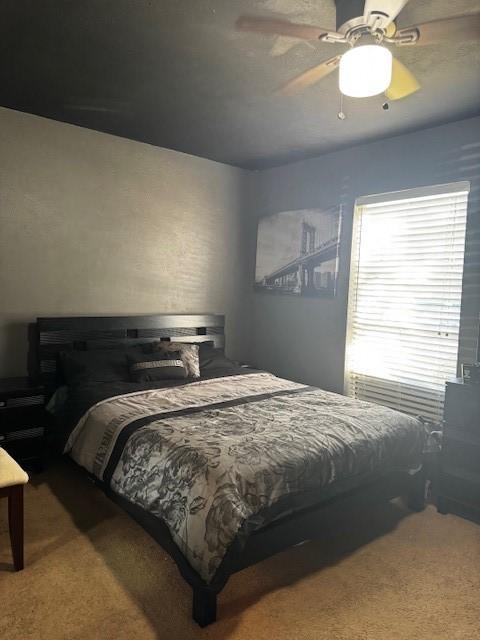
x: 23, y: 420
x: 459, y: 486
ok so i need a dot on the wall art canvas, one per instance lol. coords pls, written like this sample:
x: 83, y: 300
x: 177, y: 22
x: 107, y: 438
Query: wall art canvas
x: 297, y: 252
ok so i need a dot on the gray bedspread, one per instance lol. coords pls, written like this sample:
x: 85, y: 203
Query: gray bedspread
x: 207, y: 456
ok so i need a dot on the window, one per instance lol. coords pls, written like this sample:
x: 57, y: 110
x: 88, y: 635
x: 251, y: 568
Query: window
x: 405, y: 297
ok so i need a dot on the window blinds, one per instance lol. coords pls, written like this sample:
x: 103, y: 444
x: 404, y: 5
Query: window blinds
x: 405, y: 297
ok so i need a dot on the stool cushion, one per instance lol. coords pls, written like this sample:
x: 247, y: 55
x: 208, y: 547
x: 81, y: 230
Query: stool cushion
x: 10, y: 472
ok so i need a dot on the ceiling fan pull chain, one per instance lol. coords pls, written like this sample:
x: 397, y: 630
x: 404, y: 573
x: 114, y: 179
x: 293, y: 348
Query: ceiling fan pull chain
x: 341, y: 114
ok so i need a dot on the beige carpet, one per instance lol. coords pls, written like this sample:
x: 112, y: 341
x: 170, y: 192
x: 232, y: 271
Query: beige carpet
x: 93, y: 573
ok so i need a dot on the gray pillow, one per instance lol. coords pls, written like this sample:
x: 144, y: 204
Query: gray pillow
x: 188, y: 353
x: 212, y: 359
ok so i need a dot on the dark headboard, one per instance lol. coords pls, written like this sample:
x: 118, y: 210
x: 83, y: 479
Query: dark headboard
x: 60, y: 334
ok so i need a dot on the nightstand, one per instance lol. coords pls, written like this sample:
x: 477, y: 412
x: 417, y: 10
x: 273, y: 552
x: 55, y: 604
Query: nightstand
x: 23, y: 420
x: 459, y: 488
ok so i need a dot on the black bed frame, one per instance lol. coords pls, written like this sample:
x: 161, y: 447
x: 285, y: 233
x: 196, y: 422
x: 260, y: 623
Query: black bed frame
x: 57, y: 334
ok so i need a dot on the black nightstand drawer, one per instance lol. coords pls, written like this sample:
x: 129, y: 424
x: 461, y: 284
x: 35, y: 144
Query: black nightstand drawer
x: 21, y: 401
x: 22, y: 417
x: 23, y: 420
x: 462, y: 406
x: 461, y: 451
x: 461, y: 486
x: 21, y: 434
x: 27, y: 451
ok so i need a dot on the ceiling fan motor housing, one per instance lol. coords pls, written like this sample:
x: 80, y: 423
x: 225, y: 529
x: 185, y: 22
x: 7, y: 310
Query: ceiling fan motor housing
x: 355, y: 16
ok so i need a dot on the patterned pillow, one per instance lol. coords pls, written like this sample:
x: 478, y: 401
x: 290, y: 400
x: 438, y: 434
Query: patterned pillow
x: 188, y: 353
x: 156, y: 366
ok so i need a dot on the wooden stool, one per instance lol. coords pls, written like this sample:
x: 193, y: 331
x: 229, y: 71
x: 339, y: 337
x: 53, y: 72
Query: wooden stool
x: 12, y: 479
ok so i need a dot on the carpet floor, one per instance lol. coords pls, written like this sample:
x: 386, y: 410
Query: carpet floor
x: 92, y: 573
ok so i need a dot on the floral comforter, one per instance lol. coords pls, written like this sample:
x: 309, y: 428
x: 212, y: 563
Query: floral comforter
x: 207, y: 456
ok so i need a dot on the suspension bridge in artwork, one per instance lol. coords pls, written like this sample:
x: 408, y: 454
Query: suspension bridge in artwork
x: 300, y: 276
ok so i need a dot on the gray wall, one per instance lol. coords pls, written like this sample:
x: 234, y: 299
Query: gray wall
x: 95, y: 224
x: 304, y: 339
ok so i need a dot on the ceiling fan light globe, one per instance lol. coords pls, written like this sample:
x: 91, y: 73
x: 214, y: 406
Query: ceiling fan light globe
x: 365, y: 71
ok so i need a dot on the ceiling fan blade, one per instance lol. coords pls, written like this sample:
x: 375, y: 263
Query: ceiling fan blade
x: 403, y: 82
x: 280, y: 28
x: 380, y: 13
x: 307, y: 78
x: 461, y: 28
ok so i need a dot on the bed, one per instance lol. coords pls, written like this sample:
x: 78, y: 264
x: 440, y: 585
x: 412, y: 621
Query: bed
x: 229, y: 468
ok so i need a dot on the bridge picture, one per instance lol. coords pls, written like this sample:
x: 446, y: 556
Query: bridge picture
x: 297, y: 252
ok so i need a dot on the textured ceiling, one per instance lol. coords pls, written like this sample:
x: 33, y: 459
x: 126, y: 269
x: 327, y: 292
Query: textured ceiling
x: 176, y: 74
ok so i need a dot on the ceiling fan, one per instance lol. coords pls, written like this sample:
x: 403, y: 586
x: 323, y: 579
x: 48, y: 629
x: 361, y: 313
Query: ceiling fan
x: 368, y: 27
